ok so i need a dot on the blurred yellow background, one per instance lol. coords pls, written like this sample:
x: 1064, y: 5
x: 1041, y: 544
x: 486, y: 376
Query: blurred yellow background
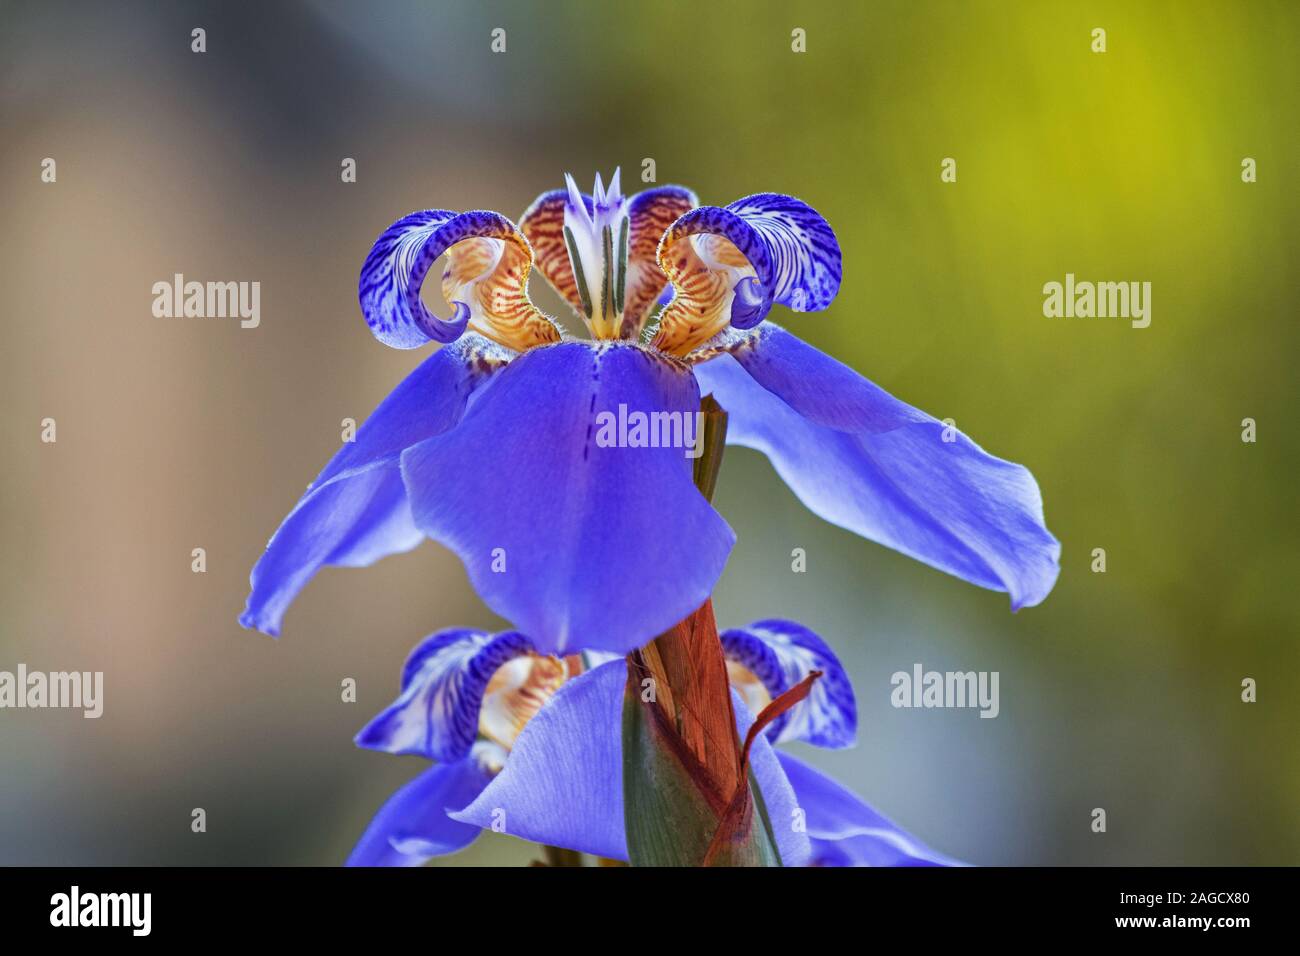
x: 1122, y: 691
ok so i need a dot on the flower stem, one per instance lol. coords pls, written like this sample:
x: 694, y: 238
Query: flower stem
x: 687, y: 662
x: 713, y: 441
x: 688, y: 719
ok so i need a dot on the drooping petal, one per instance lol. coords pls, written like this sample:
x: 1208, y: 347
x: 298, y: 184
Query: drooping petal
x: 729, y: 265
x: 437, y: 713
x: 563, y: 783
x: 781, y: 654
x: 356, y: 510
x: 412, y: 827
x: 486, y: 279
x: 845, y: 831
x: 579, y: 542
x: 351, y: 522
x: 866, y: 461
x: 650, y: 213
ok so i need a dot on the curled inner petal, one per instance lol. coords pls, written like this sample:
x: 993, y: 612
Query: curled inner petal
x: 491, y: 275
x: 438, y: 711
x: 488, y: 261
x: 776, y: 655
x: 650, y: 213
x: 705, y: 271
x: 543, y: 224
x: 729, y: 265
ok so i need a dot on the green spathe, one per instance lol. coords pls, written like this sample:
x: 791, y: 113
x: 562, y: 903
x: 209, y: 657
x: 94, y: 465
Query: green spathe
x: 668, y: 818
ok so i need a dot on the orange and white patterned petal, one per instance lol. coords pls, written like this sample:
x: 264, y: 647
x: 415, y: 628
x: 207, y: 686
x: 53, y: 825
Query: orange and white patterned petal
x: 516, y: 693
x: 730, y: 265
x: 490, y: 275
x: 650, y: 213
x: 705, y: 271
x: 486, y: 281
x: 543, y: 225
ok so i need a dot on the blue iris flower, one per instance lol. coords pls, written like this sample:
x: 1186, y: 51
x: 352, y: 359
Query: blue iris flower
x: 489, y: 446
x: 531, y: 746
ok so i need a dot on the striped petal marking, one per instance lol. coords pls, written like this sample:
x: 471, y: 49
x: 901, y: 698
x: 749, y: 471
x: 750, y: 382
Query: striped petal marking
x: 486, y: 278
x: 516, y: 693
x: 779, y: 654
x: 444, y: 684
x: 650, y: 214
x: 728, y: 266
x: 637, y: 281
x: 543, y: 225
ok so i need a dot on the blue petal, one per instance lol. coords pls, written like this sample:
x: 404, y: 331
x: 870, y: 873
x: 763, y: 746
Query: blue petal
x: 845, y: 831
x: 356, y: 510
x: 580, y: 546
x: 563, y: 782
x: 350, y: 522
x: 413, y: 826
x: 804, y: 254
x: 781, y: 654
x: 437, y: 713
x: 865, y: 461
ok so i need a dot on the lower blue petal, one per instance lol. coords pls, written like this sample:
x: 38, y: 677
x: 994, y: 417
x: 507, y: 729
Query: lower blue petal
x: 563, y: 782
x: 413, y: 826
x: 356, y: 511
x: 845, y: 831
x: 579, y: 545
x: 865, y: 461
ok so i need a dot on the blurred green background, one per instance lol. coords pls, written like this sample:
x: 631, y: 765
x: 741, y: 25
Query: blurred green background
x: 1122, y: 691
